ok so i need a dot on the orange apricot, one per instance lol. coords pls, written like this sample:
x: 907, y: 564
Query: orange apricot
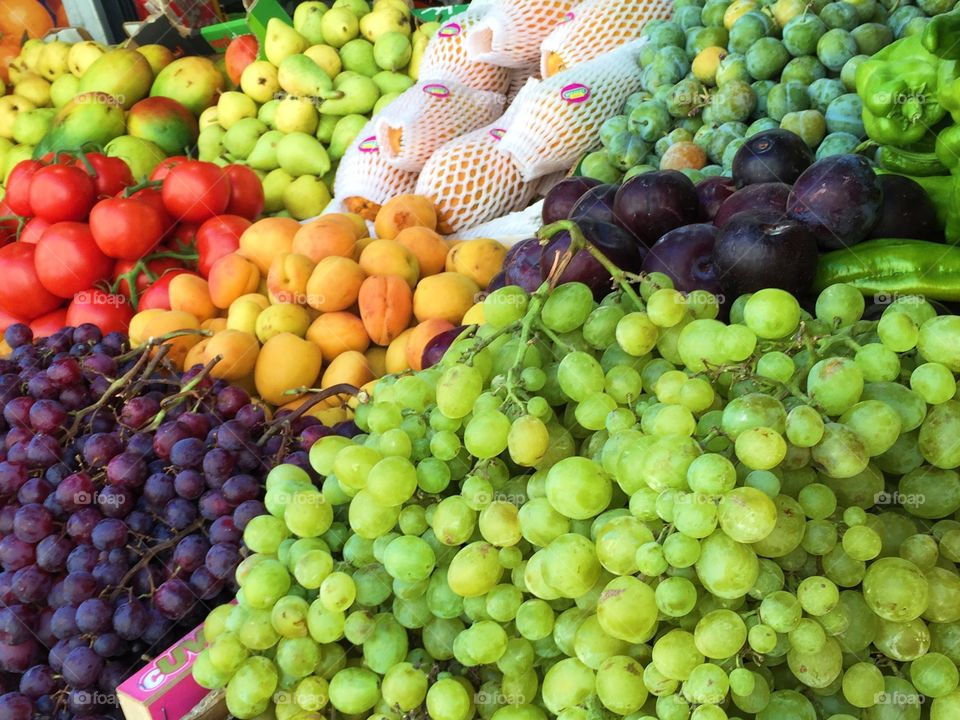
x: 420, y: 336
x: 386, y: 305
x: 395, y: 360
x: 324, y: 237
x: 191, y: 293
x: 447, y: 296
x: 214, y: 325
x: 428, y: 247
x: 138, y: 324
x: 479, y: 259
x: 230, y: 277
x: 195, y: 355
x: 286, y: 362
x: 387, y: 257
x: 287, y: 278
x: 267, y: 238
x: 683, y: 155
x: 239, y: 351
x: 404, y: 211
x: 338, y: 332
x: 169, y: 321
x: 349, y: 367
x: 334, y: 284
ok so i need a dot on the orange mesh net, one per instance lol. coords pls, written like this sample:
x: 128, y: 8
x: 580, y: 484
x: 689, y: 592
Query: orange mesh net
x: 509, y: 33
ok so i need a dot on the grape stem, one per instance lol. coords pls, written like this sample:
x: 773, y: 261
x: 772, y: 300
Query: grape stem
x: 151, y: 554
x: 578, y: 241
x: 319, y: 395
x: 526, y: 330
x: 179, y: 397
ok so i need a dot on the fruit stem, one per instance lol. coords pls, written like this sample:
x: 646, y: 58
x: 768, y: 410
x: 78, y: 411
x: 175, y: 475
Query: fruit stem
x: 179, y: 397
x: 142, y: 186
x: 512, y: 382
x: 319, y: 396
x: 150, y: 554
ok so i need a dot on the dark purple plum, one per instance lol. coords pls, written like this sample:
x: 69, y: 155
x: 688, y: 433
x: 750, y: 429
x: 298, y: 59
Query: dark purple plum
x: 770, y: 196
x: 563, y: 196
x: 583, y: 267
x: 711, y: 192
x: 438, y: 345
x: 838, y: 198
x: 762, y: 249
x: 651, y: 204
x: 685, y: 255
x: 906, y: 211
x: 521, y: 265
x: 771, y: 156
x: 596, y: 204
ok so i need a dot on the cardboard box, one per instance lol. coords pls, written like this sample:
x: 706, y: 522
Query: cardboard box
x: 164, y: 689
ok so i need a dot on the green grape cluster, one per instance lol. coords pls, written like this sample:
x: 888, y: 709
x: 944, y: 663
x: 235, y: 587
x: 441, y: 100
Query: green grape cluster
x: 622, y: 509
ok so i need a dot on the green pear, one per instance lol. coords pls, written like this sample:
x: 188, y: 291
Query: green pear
x: 330, y: 179
x: 357, y: 56
x: 325, y: 129
x: 344, y: 133
x: 343, y: 77
x: 63, y: 89
x: 208, y: 117
x: 14, y: 156
x: 392, y: 51
x: 392, y: 82
x: 400, y: 5
x: 326, y: 57
x: 232, y: 107
x: 429, y: 29
x: 5, y: 147
x: 275, y: 182
x: 296, y: 114
x: 357, y: 7
x: 267, y: 112
x: 384, y: 100
x: 259, y: 81
x: 82, y: 55
x: 264, y: 154
x: 384, y: 20
x: 339, y: 26
x: 306, y: 20
x: 302, y: 154
x: 141, y: 155
x: 210, y: 143
x: 360, y: 94
x: 281, y: 41
x: 30, y: 126
x: 299, y: 75
x: 305, y: 197
x: 242, y: 137
x: 419, y: 47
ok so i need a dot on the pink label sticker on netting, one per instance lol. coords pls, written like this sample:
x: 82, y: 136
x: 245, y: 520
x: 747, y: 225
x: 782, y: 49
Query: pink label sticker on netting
x: 369, y: 145
x: 497, y: 133
x: 575, y: 93
x: 450, y: 30
x: 568, y: 17
x: 437, y: 90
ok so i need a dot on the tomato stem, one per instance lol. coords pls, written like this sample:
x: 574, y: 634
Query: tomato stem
x: 143, y: 185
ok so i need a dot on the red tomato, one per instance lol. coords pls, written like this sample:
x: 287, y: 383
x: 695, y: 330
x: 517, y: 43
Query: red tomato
x: 126, y: 228
x: 110, y: 313
x: 158, y: 294
x: 47, y: 325
x: 68, y: 259
x: 195, y: 191
x: 18, y: 186
x: 161, y: 171
x: 6, y: 320
x: 182, y: 238
x: 33, y: 230
x: 217, y: 237
x: 112, y: 173
x: 154, y: 198
x: 21, y: 293
x: 143, y: 279
x: 246, y: 192
x: 60, y: 192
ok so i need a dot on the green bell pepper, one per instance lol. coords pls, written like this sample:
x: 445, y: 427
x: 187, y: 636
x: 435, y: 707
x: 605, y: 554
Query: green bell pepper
x: 941, y: 34
x: 899, y: 90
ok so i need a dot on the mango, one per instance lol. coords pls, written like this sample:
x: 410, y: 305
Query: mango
x: 386, y: 257
x: 338, y: 332
x: 334, y: 284
x: 267, y: 238
x: 404, y: 211
x: 164, y: 122
x: 124, y: 74
x: 422, y: 334
x: 386, y: 305
x: 232, y: 276
x: 286, y: 362
x: 193, y: 81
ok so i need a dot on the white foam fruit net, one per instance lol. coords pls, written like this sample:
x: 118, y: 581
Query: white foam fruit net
x: 596, y: 27
x: 510, y: 32
x: 446, y: 57
x: 557, y: 119
x: 428, y: 115
x: 365, y: 180
x: 471, y: 180
x: 518, y: 78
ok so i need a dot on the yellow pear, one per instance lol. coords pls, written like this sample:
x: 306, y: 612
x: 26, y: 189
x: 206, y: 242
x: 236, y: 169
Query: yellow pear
x: 296, y: 114
x: 395, y: 4
x: 82, y: 55
x: 259, y: 81
x: 10, y: 106
x: 30, y: 53
x: 35, y: 89
x: 53, y: 60
x: 208, y: 117
x: 281, y: 41
x: 326, y: 57
x: 384, y: 20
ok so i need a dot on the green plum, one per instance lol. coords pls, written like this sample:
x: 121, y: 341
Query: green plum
x: 650, y: 121
x: 732, y: 67
x: 871, y: 37
x: 835, y: 48
x: 804, y: 69
x: 761, y: 89
x: 844, y: 114
x: 684, y: 97
x: 761, y: 125
x: 734, y: 101
x: 808, y: 124
x: 824, y: 91
x: 838, y: 143
x: 801, y: 33
x: 785, y: 98
x: 712, y: 13
x: 766, y: 58
x: 749, y: 28
x: 841, y: 15
x: 611, y: 127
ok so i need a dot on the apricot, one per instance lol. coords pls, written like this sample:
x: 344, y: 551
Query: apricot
x: 361, y: 246
x: 404, y: 211
x: 387, y: 257
x: 282, y: 318
x: 421, y: 335
x: 214, y: 325
x: 324, y: 237
x: 230, y: 277
x: 447, y: 296
x: 474, y: 316
x: 395, y: 361
x: 195, y: 355
x: 349, y: 367
x: 428, y: 247
x: 683, y: 155
x: 386, y: 305
x: 191, y: 293
x: 267, y: 238
x: 169, y: 321
x: 338, y: 332
x: 138, y: 324
x: 286, y: 362
x: 334, y: 284
x: 287, y: 278
x: 366, y: 209
x: 377, y: 360
x: 239, y: 350
x: 479, y: 259
x: 244, y: 311
x: 327, y: 415
x: 359, y: 224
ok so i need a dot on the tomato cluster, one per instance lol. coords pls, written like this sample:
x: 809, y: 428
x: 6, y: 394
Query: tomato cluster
x: 81, y: 242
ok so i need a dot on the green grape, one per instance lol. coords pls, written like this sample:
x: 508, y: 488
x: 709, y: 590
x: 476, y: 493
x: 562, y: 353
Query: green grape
x: 263, y: 534
x: 863, y: 684
x: 760, y: 448
x: 567, y: 307
x: 600, y: 327
x: 681, y: 551
x: 776, y: 365
x: 787, y: 704
x: 895, y: 589
x: 578, y: 488
x: 781, y: 611
x: 877, y: 362
x: 580, y: 375
x: 835, y: 384
x: 934, y: 674
x: 637, y: 334
x: 726, y: 568
x: 566, y: 684
x: 840, y: 305
x: 807, y: 637
x: 771, y: 313
x: 898, y: 331
x: 474, y: 570
x: 656, y: 683
x: 675, y: 596
x: 226, y: 653
x: 862, y: 543
x: 672, y: 707
x: 386, y: 646
x: 458, y: 390
x: 354, y: 690
x: 623, y: 384
x: 338, y: 591
x: 762, y: 638
x: 720, y: 634
x: 804, y: 426
x: 266, y: 584
x: 289, y: 617
x: 504, y: 306
x: 570, y: 565
x: 937, y: 435
x: 747, y: 515
x: 841, y: 452
x: 817, y: 595
x: 764, y: 481
x: 753, y: 410
x: 921, y: 550
x: 945, y: 707
x: 738, y: 342
x: 703, y: 304
x: 627, y: 609
x: 707, y: 684
x: 697, y: 395
x: 617, y: 686
x: 322, y: 455
x: 675, y: 654
x: 358, y: 626
x: 297, y: 657
x: 540, y: 524
x: 854, y: 516
x: 477, y: 491
x: 649, y: 559
x: 312, y: 693
x: 933, y: 382
x: 877, y: 424
x: 666, y: 307
x: 817, y: 501
x: 485, y: 435
x: 711, y: 474
x: 742, y: 681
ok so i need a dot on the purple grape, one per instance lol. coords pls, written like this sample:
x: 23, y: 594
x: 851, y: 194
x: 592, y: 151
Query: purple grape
x: 685, y: 255
x: 7, y: 513
x: 251, y: 416
x: 197, y: 424
x: 651, y: 204
x: 31, y: 584
x: 32, y: 523
x: 87, y: 333
x: 596, y: 204
x: 18, y: 453
x: 223, y: 530
x: 233, y: 435
x: 34, y: 490
x: 246, y: 511
x: 230, y: 400
x: 190, y: 552
x: 20, y: 657
x: 159, y: 489
x: 139, y: 411
x: 15, y: 706
x: 240, y: 488
x: 114, y: 501
x: 346, y: 428
x: 583, y: 267
x: 17, y: 436
x: 126, y: 469
x: 139, y: 522
x: 222, y: 559
x: 81, y: 667
x: 75, y: 491
x: 173, y: 599
x: 52, y: 553
x: 187, y: 453
x: 100, y: 448
x: 109, y: 574
x: 17, y: 412
x: 129, y: 618
x: 213, y: 505
x: 74, y: 397
x: 205, y: 584
x: 47, y: 416
x: 44, y: 634
x: 82, y: 558
x: 65, y: 372
x: 109, y: 533
x: 16, y: 553
x: 218, y: 464
x: 101, y: 421
x: 711, y: 194
x: 6, y: 588
x: 99, y: 364
x: 249, y: 460
x: 771, y: 156
x: 146, y: 579
x: 561, y: 198
x: 18, y: 334
x: 12, y: 477
x: 109, y: 645
x: 179, y: 513
x: 79, y: 586
x: 310, y: 435
x: 16, y: 623
x: 94, y: 616
x: 38, y: 680
x: 140, y: 445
